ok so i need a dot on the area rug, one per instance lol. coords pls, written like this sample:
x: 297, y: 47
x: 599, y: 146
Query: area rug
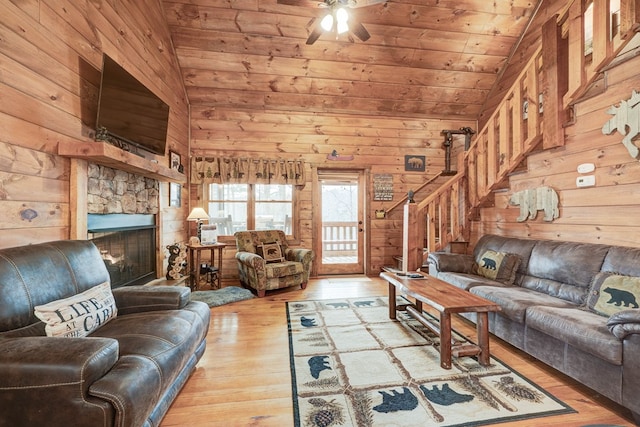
x: 352, y: 366
x: 222, y: 296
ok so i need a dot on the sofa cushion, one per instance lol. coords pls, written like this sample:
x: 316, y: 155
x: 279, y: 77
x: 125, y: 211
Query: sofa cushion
x: 515, y: 301
x: 286, y: 268
x: 465, y: 281
x: 579, y: 328
x: 498, y: 266
x: 611, y: 293
x: 168, y: 338
x: 78, y: 315
x: 564, y: 269
x: 625, y: 261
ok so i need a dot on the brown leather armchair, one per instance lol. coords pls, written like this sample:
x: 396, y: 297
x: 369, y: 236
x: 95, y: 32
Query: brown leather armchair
x: 125, y: 373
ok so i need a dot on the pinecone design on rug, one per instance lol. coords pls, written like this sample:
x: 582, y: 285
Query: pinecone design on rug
x: 327, y: 413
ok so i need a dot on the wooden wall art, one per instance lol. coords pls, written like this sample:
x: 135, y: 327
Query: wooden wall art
x: 535, y: 199
x: 626, y: 120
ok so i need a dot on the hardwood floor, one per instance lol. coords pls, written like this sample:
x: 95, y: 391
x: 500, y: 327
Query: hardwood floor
x: 243, y: 379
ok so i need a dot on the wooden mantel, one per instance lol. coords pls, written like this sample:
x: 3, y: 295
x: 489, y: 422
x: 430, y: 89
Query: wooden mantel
x: 105, y: 154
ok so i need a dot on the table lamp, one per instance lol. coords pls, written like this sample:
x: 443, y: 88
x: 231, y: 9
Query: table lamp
x: 198, y: 215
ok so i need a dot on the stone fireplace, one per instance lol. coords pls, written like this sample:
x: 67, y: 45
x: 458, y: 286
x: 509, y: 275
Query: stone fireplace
x: 122, y: 210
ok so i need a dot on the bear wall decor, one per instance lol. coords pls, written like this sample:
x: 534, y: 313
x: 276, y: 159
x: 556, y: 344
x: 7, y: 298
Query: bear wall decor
x: 533, y: 200
x: 626, y: 120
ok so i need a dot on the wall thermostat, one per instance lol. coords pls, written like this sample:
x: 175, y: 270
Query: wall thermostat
x: 586, y: 168
x: 586, y: 181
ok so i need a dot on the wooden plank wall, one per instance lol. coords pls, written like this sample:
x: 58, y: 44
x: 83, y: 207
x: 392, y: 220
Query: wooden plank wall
x: 50, y: 61
x: 378, y: 145
x: 606, y: 213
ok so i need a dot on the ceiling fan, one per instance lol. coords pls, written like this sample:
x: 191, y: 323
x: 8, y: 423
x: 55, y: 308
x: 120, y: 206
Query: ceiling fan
x: 337, y: 19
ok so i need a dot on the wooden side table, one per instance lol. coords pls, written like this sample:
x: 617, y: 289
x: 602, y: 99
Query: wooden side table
x: 195, y: 260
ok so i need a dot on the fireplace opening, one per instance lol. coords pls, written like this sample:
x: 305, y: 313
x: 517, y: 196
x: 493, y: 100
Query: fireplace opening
x: 127, y: 244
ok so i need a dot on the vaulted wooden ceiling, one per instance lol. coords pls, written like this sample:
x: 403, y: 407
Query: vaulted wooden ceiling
x: 425, y: 58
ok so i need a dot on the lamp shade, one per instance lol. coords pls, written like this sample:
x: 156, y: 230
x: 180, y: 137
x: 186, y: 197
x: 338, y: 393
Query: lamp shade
x: 198, y: 214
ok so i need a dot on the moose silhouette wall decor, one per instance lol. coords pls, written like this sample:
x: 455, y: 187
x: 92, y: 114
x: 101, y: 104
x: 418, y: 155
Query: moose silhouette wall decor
x: 533, y: 200
x: 626, y: 120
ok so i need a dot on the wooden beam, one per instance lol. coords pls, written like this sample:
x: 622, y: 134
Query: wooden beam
x: 554, y: 81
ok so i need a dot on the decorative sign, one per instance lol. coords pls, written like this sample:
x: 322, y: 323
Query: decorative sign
x: 383, y: 187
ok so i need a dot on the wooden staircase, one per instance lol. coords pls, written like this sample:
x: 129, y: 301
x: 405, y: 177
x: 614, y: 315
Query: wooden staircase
x: 530, y: 117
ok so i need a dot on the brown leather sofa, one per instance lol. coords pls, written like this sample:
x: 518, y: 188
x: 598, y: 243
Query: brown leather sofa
x: 125, y: 373
x: 546, y: 310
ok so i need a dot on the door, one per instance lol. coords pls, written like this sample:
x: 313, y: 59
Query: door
x: 339, y: 222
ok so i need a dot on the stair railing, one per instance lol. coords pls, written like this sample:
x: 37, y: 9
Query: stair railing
x: 545, y: 89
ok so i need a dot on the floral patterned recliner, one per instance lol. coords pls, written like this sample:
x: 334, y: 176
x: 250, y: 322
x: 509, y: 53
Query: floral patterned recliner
x: 262, y: 275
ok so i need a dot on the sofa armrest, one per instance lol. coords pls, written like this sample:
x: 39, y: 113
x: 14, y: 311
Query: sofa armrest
x: 455, y: 263
x: 624, y: 323
x: 304, y: 256
x: 251, y: 260
x: 137, y: 299
x: 59, y: 365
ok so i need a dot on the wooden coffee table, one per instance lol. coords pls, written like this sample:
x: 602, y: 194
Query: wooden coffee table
x: 446, y: 299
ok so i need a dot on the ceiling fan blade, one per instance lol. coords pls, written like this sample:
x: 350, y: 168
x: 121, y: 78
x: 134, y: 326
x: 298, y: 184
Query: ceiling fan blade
x: 363, y: 3
x: 316, y: 32
x: 302, y: 3
x: 360, y: 31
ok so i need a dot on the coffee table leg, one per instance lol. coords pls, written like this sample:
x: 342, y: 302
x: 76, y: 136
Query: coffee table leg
x: 445, y: 340
x: 483, y: 338
x: 392, y: 301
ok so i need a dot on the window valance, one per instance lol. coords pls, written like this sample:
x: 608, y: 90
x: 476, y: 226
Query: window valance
x: 224, y: 170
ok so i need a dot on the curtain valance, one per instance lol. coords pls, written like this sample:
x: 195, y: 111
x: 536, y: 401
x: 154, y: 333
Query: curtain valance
x: 224, y: 170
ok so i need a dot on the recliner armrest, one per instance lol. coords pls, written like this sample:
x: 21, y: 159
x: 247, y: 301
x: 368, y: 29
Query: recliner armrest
x: 138, y: 299
x: 455, y: 263
x: 52, y: 362
x: 624, y: 323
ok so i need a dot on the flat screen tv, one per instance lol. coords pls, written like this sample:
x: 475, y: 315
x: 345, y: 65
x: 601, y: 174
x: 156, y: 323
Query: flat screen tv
x: 130, y: 113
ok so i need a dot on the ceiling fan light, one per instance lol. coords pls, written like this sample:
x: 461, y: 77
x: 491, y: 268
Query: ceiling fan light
x: 342, y: 17
x: 327, y: 22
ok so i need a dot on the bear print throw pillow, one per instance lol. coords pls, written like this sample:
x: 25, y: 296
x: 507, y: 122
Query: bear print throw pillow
x: 611, y: 293
x: 498, y: 266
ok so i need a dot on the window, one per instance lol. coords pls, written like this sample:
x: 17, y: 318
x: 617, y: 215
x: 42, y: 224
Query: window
x: 614, y: 11
x: 238, y: 207
x: 588, y: 29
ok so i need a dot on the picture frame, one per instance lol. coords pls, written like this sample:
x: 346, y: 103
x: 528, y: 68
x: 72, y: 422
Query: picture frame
x: 175, y: 195
x: 414, y: 163
x: 175, y: 161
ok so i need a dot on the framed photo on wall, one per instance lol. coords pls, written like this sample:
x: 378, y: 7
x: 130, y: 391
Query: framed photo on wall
x: 414, y: 163
x: 175, y: 190
x: 175, y: 161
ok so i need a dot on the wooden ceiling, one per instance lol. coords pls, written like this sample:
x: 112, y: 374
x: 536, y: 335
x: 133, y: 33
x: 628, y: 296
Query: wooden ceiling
x: 425, y: 58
